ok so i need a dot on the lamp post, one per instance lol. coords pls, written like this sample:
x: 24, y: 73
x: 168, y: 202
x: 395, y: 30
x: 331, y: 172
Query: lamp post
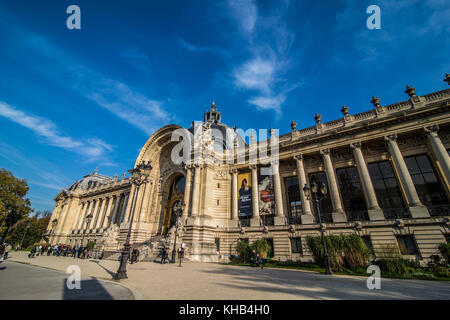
x: 88, y: 222
x: 319, y: 192
x: 139, y: 176
x: 24, y: 234
x: 178, y: 210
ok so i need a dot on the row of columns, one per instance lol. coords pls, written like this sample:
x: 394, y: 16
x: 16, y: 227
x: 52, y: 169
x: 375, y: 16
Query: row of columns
x: 415, y: 207
x: 111, y: 211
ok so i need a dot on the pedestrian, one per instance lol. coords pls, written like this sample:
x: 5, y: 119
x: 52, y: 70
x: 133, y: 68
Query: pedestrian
x: 32, y: 252
x: 163, y: 255
x: 2, y: 251
x: 259, y: 261
x: 7, y: 249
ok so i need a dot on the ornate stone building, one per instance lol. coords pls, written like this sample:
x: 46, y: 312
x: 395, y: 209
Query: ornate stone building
x: 387, y: 172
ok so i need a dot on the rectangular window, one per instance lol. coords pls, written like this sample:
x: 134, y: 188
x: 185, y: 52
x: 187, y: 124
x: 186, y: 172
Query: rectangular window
x: 326, y: 207
x: 294, y: 201
x: 296, y: 245
x: 427, y: 185
x: 217, y: 241
x: 387, y: 190
x: 407, y: 245
x: 352, y: 194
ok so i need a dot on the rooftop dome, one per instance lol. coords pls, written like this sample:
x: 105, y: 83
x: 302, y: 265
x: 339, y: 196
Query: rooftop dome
x: 213, y: 117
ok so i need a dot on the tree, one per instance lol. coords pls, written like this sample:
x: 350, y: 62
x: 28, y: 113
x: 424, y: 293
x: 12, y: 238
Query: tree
x: 29, y: 230
x: 13, y: 204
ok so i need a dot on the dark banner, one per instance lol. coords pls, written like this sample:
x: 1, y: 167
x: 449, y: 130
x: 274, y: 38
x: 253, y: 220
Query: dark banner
x: 244, y: 195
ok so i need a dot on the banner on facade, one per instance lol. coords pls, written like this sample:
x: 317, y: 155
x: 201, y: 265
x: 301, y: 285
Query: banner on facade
x: 266, y: 194
x: 244, y: 195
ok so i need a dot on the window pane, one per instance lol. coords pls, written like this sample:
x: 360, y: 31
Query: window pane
x: 352, y: 194
x: 428, y: 187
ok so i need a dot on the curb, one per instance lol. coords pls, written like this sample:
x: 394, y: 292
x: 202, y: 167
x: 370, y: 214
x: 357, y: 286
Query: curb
x: 134, y: 292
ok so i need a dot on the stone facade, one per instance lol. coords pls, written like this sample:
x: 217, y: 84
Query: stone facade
x: 389, y: 137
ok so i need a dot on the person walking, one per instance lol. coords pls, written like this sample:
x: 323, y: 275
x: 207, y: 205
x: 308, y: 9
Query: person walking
x: 163, y: 255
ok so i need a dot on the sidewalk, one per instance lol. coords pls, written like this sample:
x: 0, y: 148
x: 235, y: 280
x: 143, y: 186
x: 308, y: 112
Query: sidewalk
x: 210, y: 281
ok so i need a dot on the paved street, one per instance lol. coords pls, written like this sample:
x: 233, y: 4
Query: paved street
x: 20, y: 281
x: 203, y: 281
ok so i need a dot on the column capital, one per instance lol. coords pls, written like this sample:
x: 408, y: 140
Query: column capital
x: 187, y: 166
x: 298, y: 156
x: 433, y: 129
x: 325, y: 152
x: 253, y: 167
x: 391, y: 137
x: 355, y: 145
x: 233, y: 171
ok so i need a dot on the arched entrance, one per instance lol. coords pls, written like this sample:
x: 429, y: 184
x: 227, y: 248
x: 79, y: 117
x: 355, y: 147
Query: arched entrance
x: 175, y: 195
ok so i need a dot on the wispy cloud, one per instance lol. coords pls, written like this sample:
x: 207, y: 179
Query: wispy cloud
x: 199, y: 49
x: 137, y: 58
x: 245, y: 12
x: 115, y: 96
x: 92, y: 148
x: 269, y: 42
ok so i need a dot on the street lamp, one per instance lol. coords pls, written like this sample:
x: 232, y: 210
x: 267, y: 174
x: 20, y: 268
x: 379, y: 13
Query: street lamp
x: 178, y: 209
x: 319, y: 192
x: 24, y: 234
x: 139, y: 176
x: 88, y: 222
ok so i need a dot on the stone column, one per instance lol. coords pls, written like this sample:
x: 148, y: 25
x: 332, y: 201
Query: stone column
x: 116, y: 208
x: 187, y: 190
x: 108, y: 213
x: 82, y: 205
x: 279, y: 212
x: 94, y: 213
x: 128, y: 209
x: 255, y: 196
x: 196, y: 191
x: 85, y: 213
x: 145, y: 200
x: 373, y: 209
x: 234, y: 194
x: 307, y: 216
x: 101, y: 213
x: 439, y: 150
x: 416, y: 208
x: 124, y: 207
x: 338, y: 214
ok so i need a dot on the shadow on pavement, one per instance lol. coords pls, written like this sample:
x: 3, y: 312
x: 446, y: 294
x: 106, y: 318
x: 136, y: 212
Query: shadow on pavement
x: 319, y: 286
x: 90, y: 289
x: 111, y: 273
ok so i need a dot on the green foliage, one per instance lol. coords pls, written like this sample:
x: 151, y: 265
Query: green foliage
x: 262, y: 247
x: 444, y: 249
x: 243, y: 249
x: 347, y: 251
x: 398, y: 266
x: 441, y: 271
x: 13, y: 204
x: 90, y: 245
x: 29, y: 230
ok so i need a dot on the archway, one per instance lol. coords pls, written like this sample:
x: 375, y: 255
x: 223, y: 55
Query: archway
x: 175, y: 193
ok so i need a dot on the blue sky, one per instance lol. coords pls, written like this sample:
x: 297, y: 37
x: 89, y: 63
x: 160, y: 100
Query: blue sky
x: 72, y: 100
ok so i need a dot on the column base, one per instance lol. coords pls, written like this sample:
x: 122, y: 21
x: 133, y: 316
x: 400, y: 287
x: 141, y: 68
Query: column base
x: 307, y: 219
x: 375, y: 214
x: 339, y: 216
x: 419, y: 212
x: 255, y: 222
x: 279, y: 221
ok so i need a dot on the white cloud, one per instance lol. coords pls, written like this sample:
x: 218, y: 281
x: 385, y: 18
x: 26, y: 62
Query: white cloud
x: 256, y: 74
x: 269, y: 43
x: 137, y: 58
x: 245, y: 12
x: 91, y: 148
